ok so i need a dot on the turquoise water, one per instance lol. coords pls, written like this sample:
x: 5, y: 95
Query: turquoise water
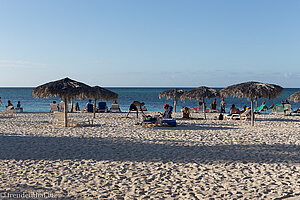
x: 126, y: 97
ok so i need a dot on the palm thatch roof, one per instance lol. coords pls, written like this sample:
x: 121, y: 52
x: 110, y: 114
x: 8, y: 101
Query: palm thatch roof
x: 295, y: 97
x: 170, y: 94
x: 64, y: 88
x: 200, y: 93
x: 102, y: 93
x: 252, y: 90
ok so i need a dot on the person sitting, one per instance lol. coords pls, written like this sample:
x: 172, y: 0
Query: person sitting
x: 10, y: 105
x: 89, y: 107
x: 185, y: 112
x: 244, y: 109
x: 54, y: 107
x: 201, y: 107
x: 62, y: 106
x: 262, y: 107
x: 115, y: 107
x: 167, y: 111
x: 213, y: 106
x: 77, y: 107
x: 19, y: 107
x: 234, y: 110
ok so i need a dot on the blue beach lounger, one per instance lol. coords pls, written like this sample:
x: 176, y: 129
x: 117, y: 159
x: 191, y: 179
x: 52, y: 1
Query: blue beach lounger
x: 102, y: 107
x: 166, y: 120
x: 261, y: 108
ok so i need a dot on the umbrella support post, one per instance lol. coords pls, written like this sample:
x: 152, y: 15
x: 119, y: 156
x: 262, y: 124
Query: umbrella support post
x: 94, y: 110
x: 252, y: 113
x: 204, y: 110
x: 175, y: 102
x: 66, y: 112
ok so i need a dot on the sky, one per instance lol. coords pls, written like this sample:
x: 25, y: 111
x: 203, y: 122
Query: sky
x: 154, y: 43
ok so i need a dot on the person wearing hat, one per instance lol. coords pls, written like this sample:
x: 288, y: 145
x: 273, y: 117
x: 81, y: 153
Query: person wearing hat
x: 133, y: 107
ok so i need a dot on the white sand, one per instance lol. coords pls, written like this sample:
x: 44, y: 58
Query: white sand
x: 116, y: 159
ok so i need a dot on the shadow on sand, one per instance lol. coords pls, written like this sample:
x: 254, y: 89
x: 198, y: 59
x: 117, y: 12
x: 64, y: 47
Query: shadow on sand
x: 278, y: 119
x: 120, y: 149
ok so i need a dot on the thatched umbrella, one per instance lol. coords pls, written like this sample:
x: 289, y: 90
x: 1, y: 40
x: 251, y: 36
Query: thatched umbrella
x: 171, y: 94
x: 252, y: 90
x: 295, y: 97
x: 199, y: 94
x: 65, y: 89
x: 102, y: 93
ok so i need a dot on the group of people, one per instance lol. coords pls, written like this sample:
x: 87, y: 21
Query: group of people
x: 89, y: 107
x: 61, y: 106
x: 140, y: 106
x: 10, y: 106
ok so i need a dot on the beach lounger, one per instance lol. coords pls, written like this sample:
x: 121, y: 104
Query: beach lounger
x: 213, y: 108
x: 115, y: 107
x: 243, y: 116
x: 158, y: 121
x: 261, y: 108
x: 90, y: 108
x: 287, y: 109
x: 168, y: 113
x: 102, y: 107
x: 279, y: 109
x: 166, y: 120
x: 53, y: 108
x: 60, y: 119
x: 198, y: 109
x: 70, y: 107
x: 18, y: 109
x: 8, y: 112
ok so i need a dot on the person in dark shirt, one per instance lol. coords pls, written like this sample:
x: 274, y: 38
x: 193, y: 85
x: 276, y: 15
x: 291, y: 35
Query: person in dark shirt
x: 134, y: 107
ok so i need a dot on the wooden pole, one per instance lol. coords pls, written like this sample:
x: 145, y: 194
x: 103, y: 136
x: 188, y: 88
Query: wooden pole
x: 256, y: 102
x: 204, y: 110
x: 252, y: 113
x: 175, y: 102
x: 72, y: 107
x: 66, y: 112
x: 94, y: 110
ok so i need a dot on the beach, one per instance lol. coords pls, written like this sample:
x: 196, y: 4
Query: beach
x: 117, y: 159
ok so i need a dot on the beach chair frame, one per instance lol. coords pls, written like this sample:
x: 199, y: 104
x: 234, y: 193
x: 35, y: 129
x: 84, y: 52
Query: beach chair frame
x: 60, y: 119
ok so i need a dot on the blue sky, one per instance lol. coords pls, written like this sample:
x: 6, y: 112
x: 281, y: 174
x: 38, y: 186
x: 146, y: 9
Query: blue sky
x: 150, y: 43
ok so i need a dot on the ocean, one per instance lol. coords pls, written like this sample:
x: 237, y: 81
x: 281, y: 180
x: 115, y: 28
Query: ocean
x: 127, y: 96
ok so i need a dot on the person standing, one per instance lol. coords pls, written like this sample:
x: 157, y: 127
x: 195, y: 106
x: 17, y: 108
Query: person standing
x: 133, y: 107
x: 223, y: 105
x: 77, y: 107
x: 1, y: 102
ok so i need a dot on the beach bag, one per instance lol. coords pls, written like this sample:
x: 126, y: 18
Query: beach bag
x: 221, y: 117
